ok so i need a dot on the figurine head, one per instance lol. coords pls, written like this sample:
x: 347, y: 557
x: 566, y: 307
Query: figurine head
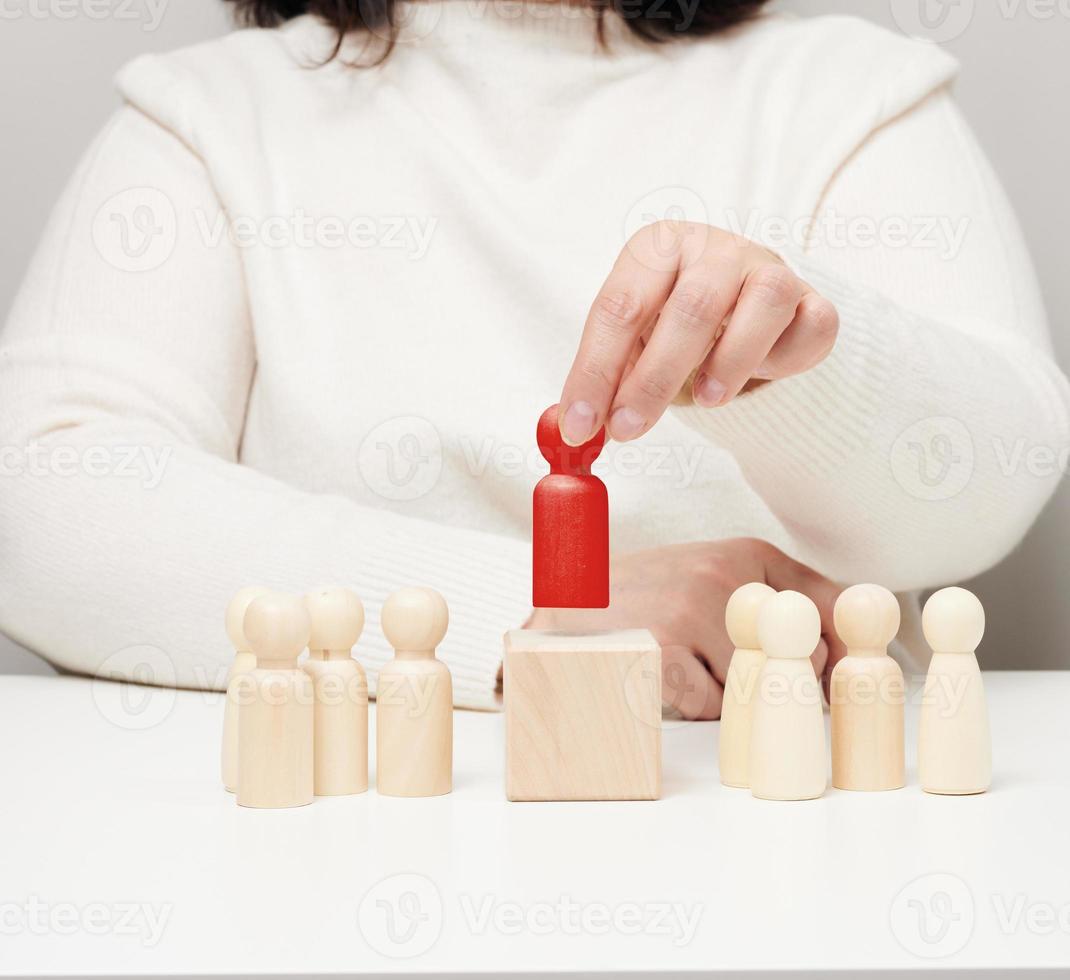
x: 337, y: 619
x: 741, y: 613
x: 563, y: 458
x: 953, y: 621
x: 415, y: 620
x: 239, y: 602
x: 789, y: 626
x: 866, y: 617
x: 277, y: 626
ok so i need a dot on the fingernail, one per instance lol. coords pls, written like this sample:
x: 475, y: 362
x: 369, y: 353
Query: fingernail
x: 708, y: 391
x: 578, y: 424
x: 625, y: 423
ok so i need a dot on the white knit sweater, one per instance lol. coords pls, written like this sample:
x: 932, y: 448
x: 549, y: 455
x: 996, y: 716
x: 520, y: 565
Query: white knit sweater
x: 294, y: 326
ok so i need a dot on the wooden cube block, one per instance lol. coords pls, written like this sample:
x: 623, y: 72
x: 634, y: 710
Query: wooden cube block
x: 582, y: 715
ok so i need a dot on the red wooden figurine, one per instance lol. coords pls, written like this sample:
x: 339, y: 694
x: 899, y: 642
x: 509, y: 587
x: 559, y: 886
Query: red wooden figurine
x: 570, y: 532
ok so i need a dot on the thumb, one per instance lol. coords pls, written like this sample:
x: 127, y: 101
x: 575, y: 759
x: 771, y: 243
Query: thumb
x: 782, y: 573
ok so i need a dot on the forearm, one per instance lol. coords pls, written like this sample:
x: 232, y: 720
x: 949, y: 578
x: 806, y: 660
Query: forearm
x: 921, y: 450
x: 904, y: 456
x: 122, y: 546
x: 126, y: 520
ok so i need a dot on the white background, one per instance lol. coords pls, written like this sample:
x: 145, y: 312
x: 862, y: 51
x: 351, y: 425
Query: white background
x: 57, y: 58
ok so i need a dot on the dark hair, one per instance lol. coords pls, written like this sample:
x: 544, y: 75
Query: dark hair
x: 652, y: 20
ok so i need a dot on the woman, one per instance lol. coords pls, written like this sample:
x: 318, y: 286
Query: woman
x: 297, y: 313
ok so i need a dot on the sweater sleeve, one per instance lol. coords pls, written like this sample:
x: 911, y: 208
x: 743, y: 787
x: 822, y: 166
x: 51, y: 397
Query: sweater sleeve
x: 922, y: 449
x: 127, y: 519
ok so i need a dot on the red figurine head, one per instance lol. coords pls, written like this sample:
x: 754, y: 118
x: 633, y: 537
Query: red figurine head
x: 565, y: 459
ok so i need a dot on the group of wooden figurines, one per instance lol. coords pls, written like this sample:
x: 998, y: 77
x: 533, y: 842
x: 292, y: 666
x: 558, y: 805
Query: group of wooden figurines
x: 772, y: 724
x: 292, y: 732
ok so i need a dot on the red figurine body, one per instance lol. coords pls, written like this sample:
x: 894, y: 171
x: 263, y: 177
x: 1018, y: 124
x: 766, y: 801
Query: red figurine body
x: 570, y: 533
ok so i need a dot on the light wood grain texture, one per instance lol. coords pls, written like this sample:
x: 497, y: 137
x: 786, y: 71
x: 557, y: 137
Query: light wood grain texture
x: 954, y: 742
x: 243, y: 662
x: 414, y: 699
x: 582, y: 715
x: 741, y: 621
x: 787, y: 751
x: 866, y: 694
x: 341, y: 693
x: 275, y: 722
x: 570, y: 523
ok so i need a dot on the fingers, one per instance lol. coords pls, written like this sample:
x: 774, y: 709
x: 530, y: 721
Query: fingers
x: 675, y: 284
x: 682, y: 336
x: 819, y: 658
x: 687, y: 687
x: 627, y: 304
x: 806, y: 342
x: 767, y: 305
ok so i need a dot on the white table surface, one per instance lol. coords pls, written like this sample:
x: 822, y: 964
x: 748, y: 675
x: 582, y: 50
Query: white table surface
x: 120, y: 854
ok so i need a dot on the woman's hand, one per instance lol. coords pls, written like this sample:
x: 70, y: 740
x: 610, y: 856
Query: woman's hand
x: 688, y: 301
x: 679, y: 593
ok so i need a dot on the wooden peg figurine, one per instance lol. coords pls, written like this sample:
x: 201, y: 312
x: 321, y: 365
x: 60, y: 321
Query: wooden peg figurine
x: 570, y: 524
x: 787, y: 746
x: 414, y: 699
x: 275, y: 723
x: 341, y: 693
x: 244, y: 661
x: 741, y: 621
x: 866, y: 693
x: 954, y: 744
